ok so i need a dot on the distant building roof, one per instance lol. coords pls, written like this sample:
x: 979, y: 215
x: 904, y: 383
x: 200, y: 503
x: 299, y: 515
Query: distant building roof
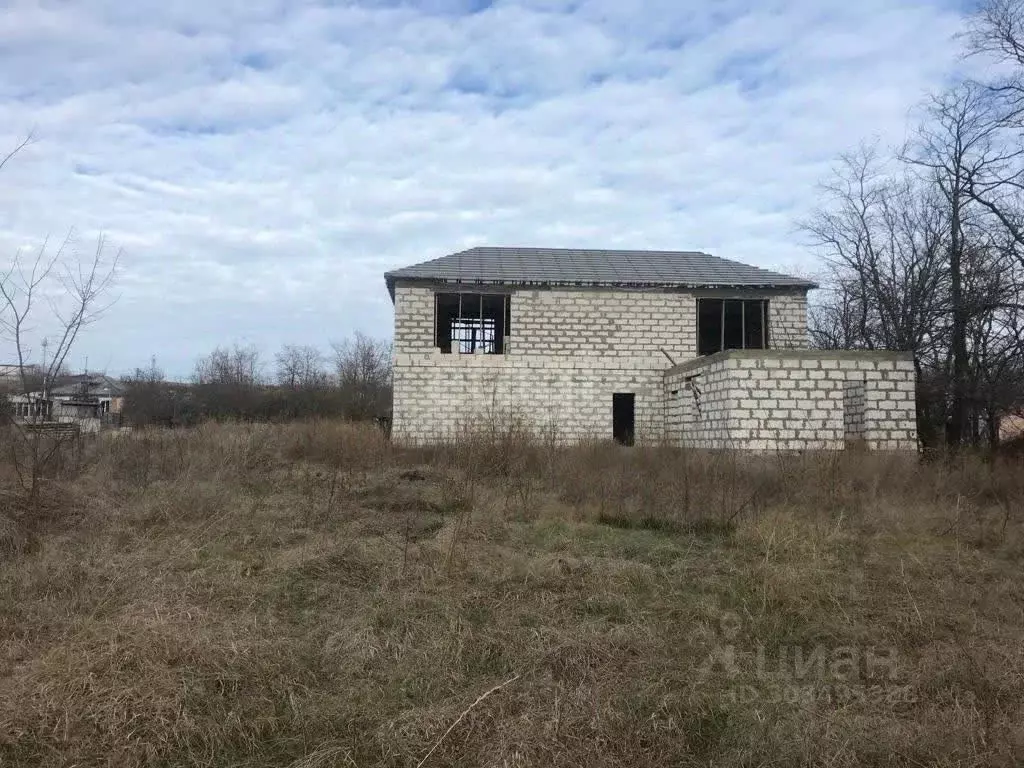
x: 566, y: 266
x: 96, y: 385
x: 14, y: 369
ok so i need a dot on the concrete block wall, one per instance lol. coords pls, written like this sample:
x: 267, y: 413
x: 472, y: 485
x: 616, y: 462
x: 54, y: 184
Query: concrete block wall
x: 796, y: 400
x: 853, y: 409
x: 700, y: 401
x: 787, y: 322
x: 890, y: 413
x: 623, y: 323
x: 678, y: 403
x: 609, y: 323
x: 438, y: 396
x: 414, y: 319
x: 568, y: 352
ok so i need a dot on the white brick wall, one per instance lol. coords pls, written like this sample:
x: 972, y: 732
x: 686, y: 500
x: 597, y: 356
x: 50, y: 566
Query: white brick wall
x: 623, y: 323
x: 797, y: 400
x: 606, y: 323
x: 437, y: 395
x: 788, y: 322
x: 570, y: 350
x: 853, y: 408
x: 705, y: 398
x: 414, y: 319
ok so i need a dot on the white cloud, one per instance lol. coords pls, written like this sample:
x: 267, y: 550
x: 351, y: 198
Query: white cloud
x: 262, y: 163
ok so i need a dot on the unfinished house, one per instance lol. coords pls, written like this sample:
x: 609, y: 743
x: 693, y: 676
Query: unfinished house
x: 653, y: 346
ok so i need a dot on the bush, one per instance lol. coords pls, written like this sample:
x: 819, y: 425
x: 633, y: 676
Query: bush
x: 310, y: 594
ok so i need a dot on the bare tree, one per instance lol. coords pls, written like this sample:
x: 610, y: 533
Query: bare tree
x: 997, y: 32
x: 994, y: 340
x: 363, y: 366
x: 300, y: 367
x: 880, y: 234
x: 880, y: 237
x: 228, y: 382
x: 960, y: 151
x: 236, y: 366
x: 58, y: 293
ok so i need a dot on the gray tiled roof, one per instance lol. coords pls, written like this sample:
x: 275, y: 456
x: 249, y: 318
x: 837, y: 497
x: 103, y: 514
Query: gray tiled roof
x: 90, y: 384
x: 564, y: 266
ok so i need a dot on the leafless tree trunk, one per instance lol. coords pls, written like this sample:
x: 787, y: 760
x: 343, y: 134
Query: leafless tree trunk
x: 363, y: 366
x: 927, y: 254
x: 959, y: 150
x: 64, y: 293
x: 915, y: 264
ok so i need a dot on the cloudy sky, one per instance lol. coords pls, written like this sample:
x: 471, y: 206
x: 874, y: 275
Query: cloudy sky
x: 261, y: 163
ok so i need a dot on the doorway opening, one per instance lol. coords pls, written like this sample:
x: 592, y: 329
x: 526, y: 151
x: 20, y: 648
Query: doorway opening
x: 623, y: 417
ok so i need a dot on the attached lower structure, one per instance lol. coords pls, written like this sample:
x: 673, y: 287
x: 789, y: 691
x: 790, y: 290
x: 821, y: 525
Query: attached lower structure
x: 793, y: 400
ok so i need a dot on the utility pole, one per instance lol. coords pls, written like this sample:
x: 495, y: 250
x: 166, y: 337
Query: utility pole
x: 46, y: 370
x: 46, y: 380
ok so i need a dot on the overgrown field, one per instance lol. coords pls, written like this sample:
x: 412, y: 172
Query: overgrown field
x: 307, y: 595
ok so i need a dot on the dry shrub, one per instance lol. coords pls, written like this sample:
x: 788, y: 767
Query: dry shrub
x: 14, y: 539
x: 233, y: 451
x: 30, y: 460
x: 145, y: 456
x: 308, y: 595
x: 338, y: 444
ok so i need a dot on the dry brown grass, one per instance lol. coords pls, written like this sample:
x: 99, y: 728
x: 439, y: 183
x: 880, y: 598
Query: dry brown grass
x: 309, y: 595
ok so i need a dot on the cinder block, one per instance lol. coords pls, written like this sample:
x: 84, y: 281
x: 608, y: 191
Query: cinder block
x: 607, y: 341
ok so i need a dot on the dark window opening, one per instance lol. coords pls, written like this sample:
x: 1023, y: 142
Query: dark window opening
x: 467, y: 323
x: 709, y: 326
x: 623, y: 417
x: 731, y: 324
x: 755, y: 314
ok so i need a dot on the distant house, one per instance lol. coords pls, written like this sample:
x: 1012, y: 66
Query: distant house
x: 89, y: 400
x: 89, y: 390
x: 677, y: 347
x: 29, y: 407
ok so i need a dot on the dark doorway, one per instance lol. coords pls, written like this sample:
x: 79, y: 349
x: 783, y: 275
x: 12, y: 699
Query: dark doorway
x: 623, y: 417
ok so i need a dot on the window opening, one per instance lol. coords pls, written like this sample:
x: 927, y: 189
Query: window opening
x: 468, y: 323
x: 731, y: 324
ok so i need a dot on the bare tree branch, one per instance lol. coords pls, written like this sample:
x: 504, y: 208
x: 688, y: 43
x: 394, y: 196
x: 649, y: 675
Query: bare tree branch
x: 21, y: 145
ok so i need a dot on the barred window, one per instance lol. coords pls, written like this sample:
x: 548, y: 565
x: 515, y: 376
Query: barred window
x: 731, y: 324
x: 467, y: 323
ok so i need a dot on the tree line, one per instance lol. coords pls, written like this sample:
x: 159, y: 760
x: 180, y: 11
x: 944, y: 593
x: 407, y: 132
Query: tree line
x: 352, y: 381
x: 924, y: 244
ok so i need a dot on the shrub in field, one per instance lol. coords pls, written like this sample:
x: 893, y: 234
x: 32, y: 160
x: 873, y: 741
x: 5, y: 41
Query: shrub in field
x: 310, y: 594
